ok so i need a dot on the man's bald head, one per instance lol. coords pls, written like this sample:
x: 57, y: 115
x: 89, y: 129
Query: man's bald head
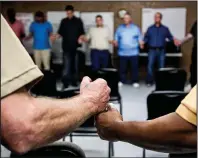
x: 127, y: 19
x: 158, y: 18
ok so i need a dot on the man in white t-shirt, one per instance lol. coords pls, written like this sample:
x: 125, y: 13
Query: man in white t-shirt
x: 99, y: 38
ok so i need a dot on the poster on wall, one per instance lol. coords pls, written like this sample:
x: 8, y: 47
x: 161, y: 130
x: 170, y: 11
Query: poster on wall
x: 26, y: 19
x: 88, y: 19
x: 173, y: 18
x: 55, y: 17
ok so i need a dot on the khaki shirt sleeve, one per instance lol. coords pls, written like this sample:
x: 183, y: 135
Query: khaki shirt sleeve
x: 17, y: 67
x: 188, y: 109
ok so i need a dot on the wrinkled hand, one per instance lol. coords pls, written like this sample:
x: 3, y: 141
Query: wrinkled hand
x: 97, y: 92
x: 106, y: 122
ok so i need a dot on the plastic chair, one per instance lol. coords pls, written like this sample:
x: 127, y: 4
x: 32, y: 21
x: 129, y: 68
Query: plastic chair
x: 170, y: 79
x: 58, y: 150
x: 160, y: 103
x: 112, y: 77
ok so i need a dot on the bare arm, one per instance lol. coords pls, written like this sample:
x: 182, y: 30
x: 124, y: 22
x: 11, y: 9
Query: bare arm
x: 169, y: 133
x: 187, y: 38
x: 29, y: 122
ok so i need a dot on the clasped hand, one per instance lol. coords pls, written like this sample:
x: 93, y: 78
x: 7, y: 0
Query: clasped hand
x: 106, y: 117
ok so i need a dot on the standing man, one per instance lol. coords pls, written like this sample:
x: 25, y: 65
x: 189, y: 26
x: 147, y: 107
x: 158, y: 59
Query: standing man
x: 100, y: 38
x: 16, y: 25
x: 71, y: 30
x: 128, y: 38
x: 41, y: 30
x: 193, y: 68
x: 155, y: 37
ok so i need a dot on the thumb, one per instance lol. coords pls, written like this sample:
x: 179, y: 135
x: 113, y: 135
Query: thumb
x: 86, y: 80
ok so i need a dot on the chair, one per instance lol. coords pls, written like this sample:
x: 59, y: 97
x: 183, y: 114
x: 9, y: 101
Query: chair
x: 170, y: 79
x: 160, y: 103
x: 87, y: 129
x: 112, y: 77
x: 58, y: 150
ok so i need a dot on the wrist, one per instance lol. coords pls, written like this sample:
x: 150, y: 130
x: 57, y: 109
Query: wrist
x: 116, y: 126
x: 88, y: 103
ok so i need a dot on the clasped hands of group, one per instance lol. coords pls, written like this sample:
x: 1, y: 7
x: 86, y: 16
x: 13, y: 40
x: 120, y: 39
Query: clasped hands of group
x: 83, y: 38
x: 98, y: 94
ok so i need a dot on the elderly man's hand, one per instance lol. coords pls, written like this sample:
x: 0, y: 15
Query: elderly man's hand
x: 97, y: 93
x: 106, y: 122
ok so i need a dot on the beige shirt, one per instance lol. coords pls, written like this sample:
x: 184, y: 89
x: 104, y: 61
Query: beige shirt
x: 188, y: 107
x: 99, y: 38
x: 17, y: 67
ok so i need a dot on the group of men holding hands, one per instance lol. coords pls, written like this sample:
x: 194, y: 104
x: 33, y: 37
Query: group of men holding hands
x: 29, y: 122
x: 128, y: 39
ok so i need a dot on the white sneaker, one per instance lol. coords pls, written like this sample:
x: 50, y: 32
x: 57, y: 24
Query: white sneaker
x: 120, y: 84
x: 136, y: 85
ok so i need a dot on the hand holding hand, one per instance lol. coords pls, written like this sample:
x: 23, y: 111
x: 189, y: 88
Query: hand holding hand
x: 81, y: 39
x: 115, y: 43
x: 177, y: 42
x: 96, y: 92
x: 53, y: 38
x: 142, y: 44
x: 106, y: 122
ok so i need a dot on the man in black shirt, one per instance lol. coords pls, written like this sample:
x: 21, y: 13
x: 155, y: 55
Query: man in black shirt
x: 193, y: 68
x: 71, y: 30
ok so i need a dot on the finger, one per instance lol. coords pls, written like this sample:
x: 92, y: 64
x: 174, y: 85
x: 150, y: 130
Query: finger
x: 86, y: 80
x: 101, y: 81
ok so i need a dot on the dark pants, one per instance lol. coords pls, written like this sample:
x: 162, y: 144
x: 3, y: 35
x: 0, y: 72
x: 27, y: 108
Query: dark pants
x: 133, y: 60
x: 70, y: 64
x: 154, y: 55
x: 99, y: 59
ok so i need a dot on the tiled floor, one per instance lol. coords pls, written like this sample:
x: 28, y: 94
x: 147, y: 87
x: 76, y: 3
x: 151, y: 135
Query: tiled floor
x: 134, y: 108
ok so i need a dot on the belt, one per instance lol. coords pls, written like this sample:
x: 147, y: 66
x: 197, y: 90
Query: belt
x: 156, y: 48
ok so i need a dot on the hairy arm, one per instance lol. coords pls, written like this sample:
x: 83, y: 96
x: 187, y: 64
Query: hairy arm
x: 169, y: 133
x: 28, y: 122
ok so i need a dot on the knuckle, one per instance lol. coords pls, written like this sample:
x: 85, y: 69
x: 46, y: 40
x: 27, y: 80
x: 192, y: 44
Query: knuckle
x: 102, y: 81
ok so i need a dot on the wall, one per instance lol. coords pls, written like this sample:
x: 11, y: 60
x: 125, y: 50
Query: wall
x: 133, y: 7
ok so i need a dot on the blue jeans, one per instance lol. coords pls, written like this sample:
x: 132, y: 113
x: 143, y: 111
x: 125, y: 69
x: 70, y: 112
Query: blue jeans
x: 70, y: 68
x: 152, y: 56
x: 99, y: 59
x: 133, y: 60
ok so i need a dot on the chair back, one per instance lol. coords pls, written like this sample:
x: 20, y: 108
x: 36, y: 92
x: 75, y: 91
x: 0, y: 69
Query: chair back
x: 160, y: 103
x: 112, y: 77
x: 170, y: 79
x: 55, y: 150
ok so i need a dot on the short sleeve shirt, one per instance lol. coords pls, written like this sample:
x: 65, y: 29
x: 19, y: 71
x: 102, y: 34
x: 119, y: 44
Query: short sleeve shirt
x: 188, y: 109
x: 18, y: 28
x: 17, y: 67
x: 41, y: 33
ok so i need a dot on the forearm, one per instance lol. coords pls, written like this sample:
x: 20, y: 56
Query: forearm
x: 161, y: 134
x: 39, y: 121
x: 57, y: 118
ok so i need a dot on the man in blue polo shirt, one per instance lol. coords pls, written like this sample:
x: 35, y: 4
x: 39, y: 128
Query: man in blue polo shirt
x: 41, y: 30
x: 155, y: 37
x: 128, y: 38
